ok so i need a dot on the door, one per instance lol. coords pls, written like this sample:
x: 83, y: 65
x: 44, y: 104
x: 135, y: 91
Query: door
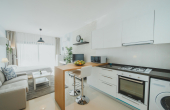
x: 112, y: 35
x: 97, y: 39
x: 163, y: 101
x: 162, y: 26
x: 138, y: 29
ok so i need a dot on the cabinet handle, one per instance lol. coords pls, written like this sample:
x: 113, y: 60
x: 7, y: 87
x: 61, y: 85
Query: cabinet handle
x: 106, y: 84
x: 130, y: 75
x: 138, y: 77
x: 104, y: 69
x: 106, y: 77
x: 109, y: 70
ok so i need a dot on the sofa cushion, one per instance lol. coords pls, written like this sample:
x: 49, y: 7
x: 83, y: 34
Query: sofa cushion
x: 19, y: 84
x: 9, y: 73
x: 19, y: 78
x: 2, y: 77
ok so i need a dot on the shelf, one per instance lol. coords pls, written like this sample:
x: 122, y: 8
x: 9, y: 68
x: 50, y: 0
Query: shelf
x: 81, y: 43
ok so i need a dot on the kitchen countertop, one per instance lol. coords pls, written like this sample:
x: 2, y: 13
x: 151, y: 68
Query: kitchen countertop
x: 153, y: 73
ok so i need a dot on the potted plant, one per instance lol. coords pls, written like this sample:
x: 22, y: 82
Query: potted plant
x: 81, y: 40
x: 8, y: 49
x: 68, y: 56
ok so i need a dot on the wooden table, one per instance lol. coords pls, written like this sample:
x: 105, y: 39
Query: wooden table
x: 60, y: 80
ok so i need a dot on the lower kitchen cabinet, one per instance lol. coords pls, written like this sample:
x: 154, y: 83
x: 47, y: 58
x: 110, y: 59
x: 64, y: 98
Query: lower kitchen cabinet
x: 110, y: 89
x: 104, y: 80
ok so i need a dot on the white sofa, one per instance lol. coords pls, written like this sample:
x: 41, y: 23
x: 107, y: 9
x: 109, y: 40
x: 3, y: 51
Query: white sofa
x: 13, y: 92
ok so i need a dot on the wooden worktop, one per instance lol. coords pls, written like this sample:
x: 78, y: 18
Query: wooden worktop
x: 60, y: 80
x: 71, y: 66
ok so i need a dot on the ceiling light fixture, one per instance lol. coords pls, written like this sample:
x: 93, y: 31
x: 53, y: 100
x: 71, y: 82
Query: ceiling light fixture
x: 40, y: 41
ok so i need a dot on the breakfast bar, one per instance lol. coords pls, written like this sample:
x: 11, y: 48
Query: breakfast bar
x: 60, y: 80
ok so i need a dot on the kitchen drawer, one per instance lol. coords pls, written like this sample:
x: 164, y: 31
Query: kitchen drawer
x: 108, y: 79
x: 108, y: 72
x: 108, y: 88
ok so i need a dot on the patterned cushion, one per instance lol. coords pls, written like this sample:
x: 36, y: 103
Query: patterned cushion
x: 9, y: 73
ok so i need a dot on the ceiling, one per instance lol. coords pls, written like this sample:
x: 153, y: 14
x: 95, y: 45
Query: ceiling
x: 55, y: 17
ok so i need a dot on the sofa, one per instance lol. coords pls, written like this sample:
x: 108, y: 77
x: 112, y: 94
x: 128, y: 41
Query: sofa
x: 13, y: 92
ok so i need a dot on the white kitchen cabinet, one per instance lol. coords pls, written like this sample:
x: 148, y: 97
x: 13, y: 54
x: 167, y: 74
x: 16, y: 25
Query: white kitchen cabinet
x: 108, y: 88
x: 112, y: 35
x: 138, y: 29
x: 93, y: 78
x: 97, y: 39
x: 107, y: 37
x: 162, y: 26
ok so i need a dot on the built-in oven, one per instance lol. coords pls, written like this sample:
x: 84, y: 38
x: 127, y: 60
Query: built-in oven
x: 133, y: 88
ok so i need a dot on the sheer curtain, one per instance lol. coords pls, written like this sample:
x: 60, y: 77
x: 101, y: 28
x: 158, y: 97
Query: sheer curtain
x: 30, y: 53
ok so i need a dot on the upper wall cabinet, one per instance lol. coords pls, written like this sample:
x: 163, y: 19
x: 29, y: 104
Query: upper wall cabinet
x: 107, y: 37
x: 97, y: 39
x: 112, y: 35
x: 138, y: 29
x: 162, y: 26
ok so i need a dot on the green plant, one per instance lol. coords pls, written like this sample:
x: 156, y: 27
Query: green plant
x: 68, y: 56
x: 8, y: 48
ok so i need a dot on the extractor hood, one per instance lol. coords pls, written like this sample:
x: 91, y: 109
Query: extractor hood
x: 138, y: 43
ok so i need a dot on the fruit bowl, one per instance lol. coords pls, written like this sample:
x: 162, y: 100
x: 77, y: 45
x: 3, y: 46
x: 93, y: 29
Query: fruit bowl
x: 79, y: 63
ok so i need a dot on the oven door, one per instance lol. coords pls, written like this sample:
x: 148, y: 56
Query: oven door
x: 132, y: 88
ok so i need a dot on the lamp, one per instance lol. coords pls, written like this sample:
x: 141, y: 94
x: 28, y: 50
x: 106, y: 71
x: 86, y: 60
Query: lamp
x: 5, y: 60
x: 40, y: 41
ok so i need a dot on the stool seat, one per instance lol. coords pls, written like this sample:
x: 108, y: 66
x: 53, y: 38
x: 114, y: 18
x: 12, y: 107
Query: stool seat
x: 76, y: 73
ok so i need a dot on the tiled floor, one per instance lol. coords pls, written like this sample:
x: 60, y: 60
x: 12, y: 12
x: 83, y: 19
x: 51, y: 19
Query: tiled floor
x: 98, y: 101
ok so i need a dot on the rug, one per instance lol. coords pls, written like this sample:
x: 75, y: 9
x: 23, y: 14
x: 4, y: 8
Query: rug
x: 41, y: 89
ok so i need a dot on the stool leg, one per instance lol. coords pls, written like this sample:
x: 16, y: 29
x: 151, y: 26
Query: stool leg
x: 74, y: 92
x: 82, y: 100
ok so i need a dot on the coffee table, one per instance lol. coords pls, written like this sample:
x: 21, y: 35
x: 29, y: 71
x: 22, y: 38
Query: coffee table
x: 41, y: 78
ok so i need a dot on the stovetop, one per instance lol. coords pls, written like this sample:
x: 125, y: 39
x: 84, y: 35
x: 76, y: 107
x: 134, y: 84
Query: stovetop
x: 136, y: 69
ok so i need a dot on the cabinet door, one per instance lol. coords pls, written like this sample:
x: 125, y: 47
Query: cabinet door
x: 97, y: 39
x: 138, y: 29
x: 93, y: 78
x: 112, y: 35
x: 162, y: 26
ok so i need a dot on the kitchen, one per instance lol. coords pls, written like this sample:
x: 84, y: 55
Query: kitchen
x: 135, y: 38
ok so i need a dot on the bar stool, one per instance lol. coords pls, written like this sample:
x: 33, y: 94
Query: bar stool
x: 85, y: 71
x: 74, y: 92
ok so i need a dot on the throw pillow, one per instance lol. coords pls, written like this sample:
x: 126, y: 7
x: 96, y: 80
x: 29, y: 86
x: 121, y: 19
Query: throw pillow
x: 2, y: 77
x: 9, y: 73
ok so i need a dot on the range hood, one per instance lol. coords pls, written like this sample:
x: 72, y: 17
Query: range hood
x: 138, y: 43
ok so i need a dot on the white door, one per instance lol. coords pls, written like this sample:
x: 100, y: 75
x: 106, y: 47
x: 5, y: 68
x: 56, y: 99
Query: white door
x: 97, y: 39
x: 112, y: 35
x: 138, y: 29
x: 163, y: 101
x: 162, y: 26
x: 93, y: 78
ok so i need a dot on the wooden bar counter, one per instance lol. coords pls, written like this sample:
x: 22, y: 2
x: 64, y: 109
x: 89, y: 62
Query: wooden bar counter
x: 60, y: 80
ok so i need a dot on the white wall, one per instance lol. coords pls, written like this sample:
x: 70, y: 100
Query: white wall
x: 157, y: 56
x: 2, y: 48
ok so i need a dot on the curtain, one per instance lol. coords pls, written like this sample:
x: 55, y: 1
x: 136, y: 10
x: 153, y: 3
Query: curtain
x: 12, y: 56
x: 31, y: 53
